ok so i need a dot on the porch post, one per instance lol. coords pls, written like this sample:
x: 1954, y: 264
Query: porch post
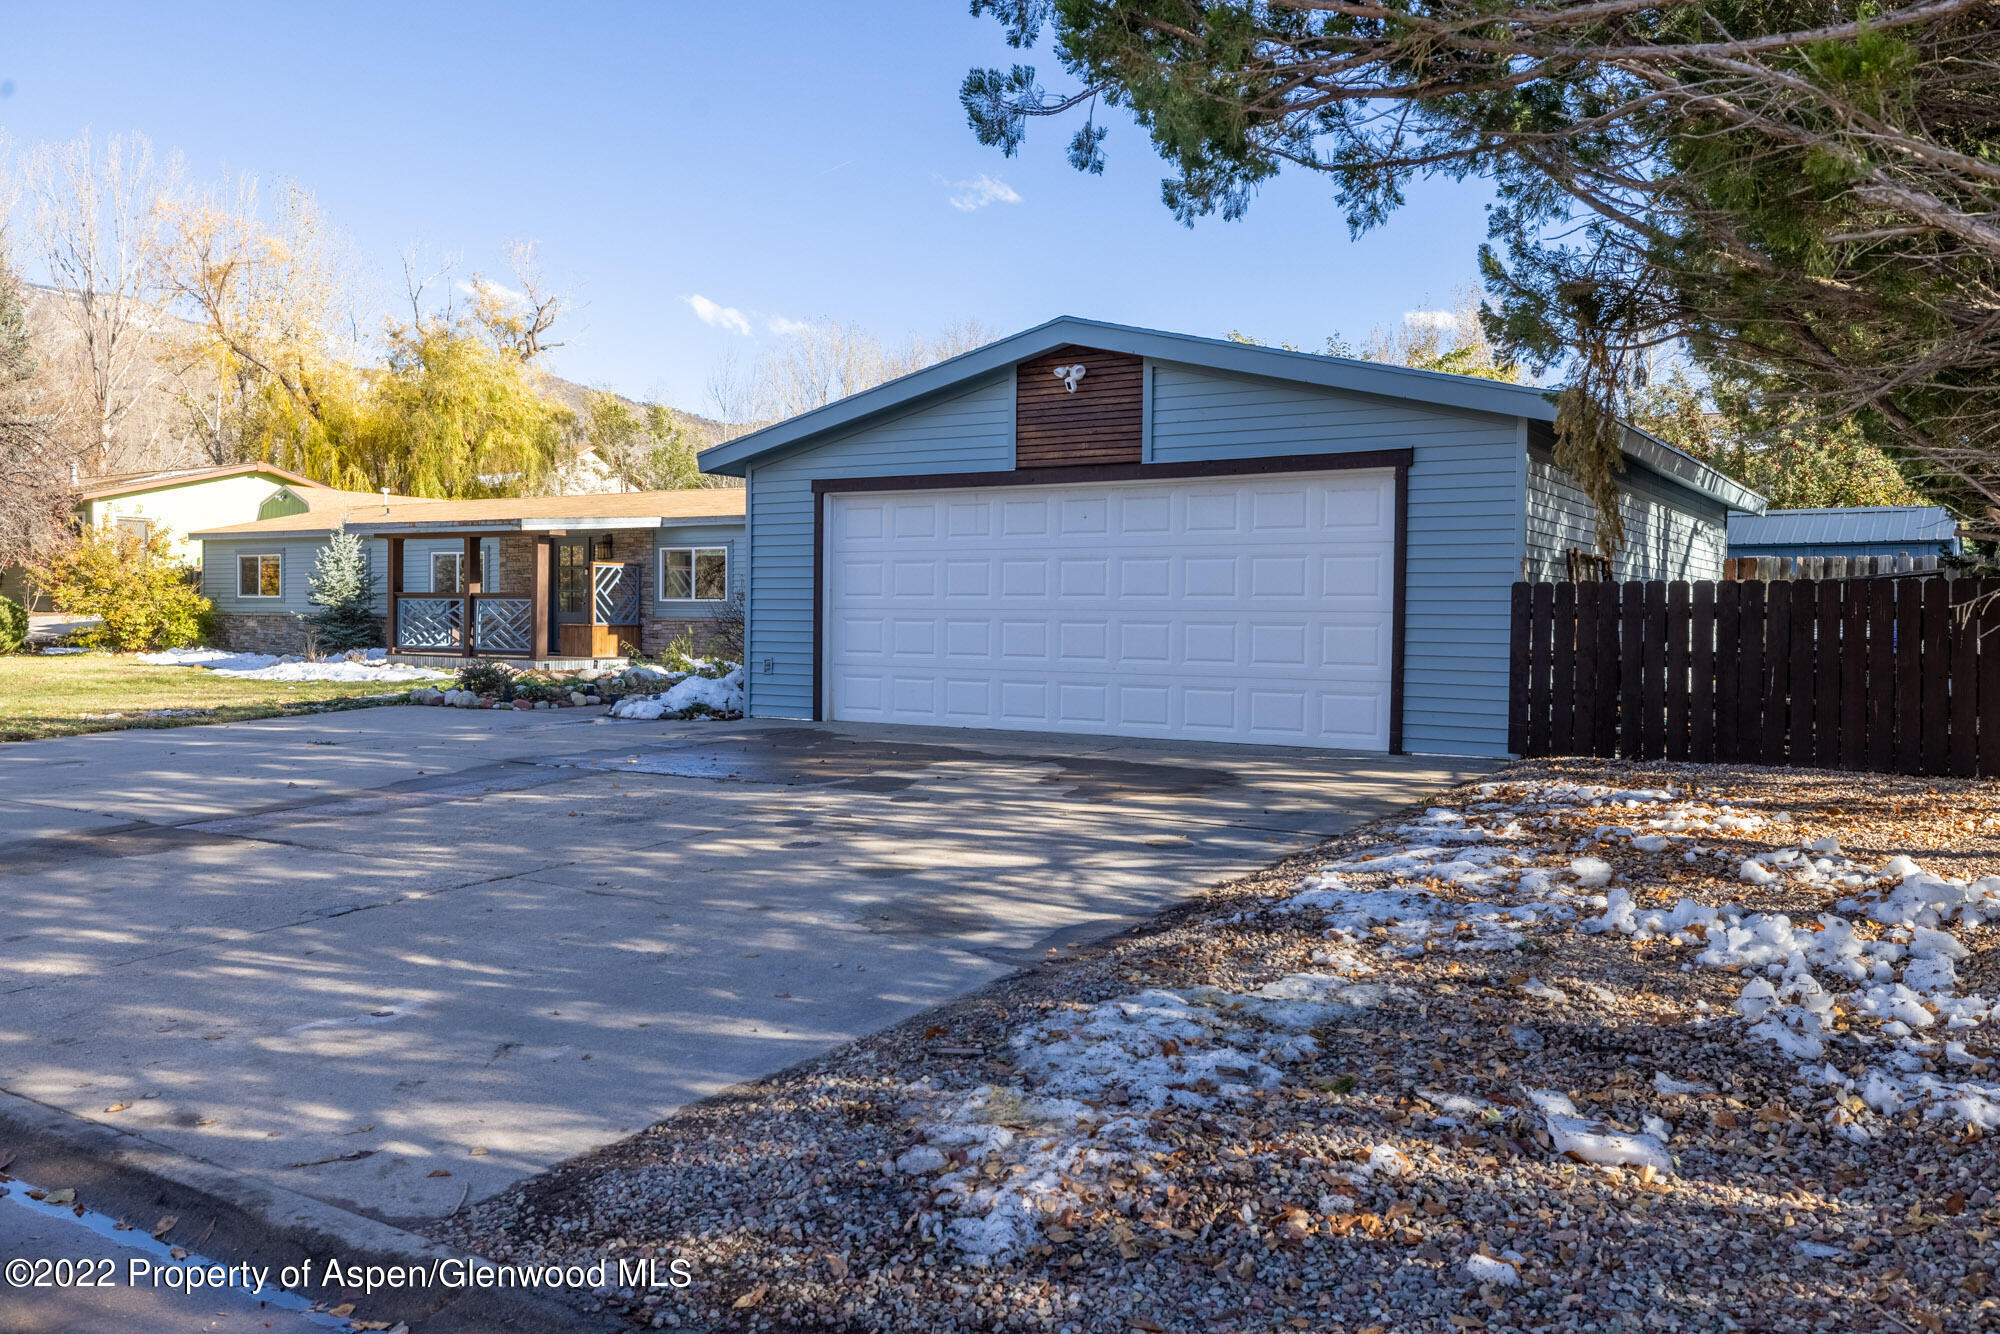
x: 538, y: 615
x: 470, y: 565
x: 395, y: 632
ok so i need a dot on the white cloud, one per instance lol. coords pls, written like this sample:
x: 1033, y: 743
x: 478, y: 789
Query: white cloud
x: 1430, y: 319
x: 718, y: 317
x: 785, y: 328
x: 975, y: 194
x: 487, y: 287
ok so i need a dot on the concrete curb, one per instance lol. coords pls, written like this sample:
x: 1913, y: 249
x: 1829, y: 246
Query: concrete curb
x: 233, y: 1218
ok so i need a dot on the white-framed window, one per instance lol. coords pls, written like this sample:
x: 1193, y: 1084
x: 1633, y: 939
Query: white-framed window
x: 139, y: 528
x: 447, y: 572
x: 694, y: 574
x: 261, y: 576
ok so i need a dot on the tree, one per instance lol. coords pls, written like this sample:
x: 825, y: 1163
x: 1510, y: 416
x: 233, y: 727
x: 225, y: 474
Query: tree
x: 1804, y: 195
x: 1451, y: 341
x: 342, y: 586
x: 1782, y: 451
x: 644, y: 447
x: 142, y: 598
x: 36, y: 497
x: 95, y: 224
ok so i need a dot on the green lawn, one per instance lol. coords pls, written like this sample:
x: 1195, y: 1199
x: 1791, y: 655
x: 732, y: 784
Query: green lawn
x: 62, y: 695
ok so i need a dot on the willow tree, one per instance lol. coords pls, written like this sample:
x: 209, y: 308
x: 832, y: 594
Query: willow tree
x: 1803, y: 193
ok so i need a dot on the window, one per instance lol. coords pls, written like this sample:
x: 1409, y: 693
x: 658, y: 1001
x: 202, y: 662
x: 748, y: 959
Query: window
x: 139, y: 528
x: 696, y: 574
x: 572, y: 578
x: 447, y: 571
x: 260, y: 576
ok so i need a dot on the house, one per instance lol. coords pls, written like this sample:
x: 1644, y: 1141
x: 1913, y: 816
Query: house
x: 179, y: 500
x: 1099, y: 529
x: 1853, y: 530
x: 534, y: 579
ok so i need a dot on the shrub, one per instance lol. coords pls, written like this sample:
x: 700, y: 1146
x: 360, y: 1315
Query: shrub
x: 342, y: 587
x: 142, y: 597
x: 727, y: 628
x: 13, y: 626
x: 486, y: 678
x: 678, y: 655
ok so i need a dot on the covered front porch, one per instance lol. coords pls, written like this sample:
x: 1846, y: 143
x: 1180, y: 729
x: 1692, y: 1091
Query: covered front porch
x: 556, y: 598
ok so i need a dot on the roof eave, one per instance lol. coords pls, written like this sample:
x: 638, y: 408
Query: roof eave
x: 1690, y: 472
x: 1465, y: 393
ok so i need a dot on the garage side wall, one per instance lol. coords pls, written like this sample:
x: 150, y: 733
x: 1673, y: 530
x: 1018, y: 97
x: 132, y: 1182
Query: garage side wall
x: 1464, y: 525
x: 972, y: 431
x: 1670, y: 532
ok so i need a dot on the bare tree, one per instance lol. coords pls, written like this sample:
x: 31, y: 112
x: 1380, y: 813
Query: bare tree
x: 518, y: 319
x: 94, y: 221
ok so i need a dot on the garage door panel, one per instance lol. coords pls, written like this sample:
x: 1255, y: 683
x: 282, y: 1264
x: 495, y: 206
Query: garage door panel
x: 1226, y: 609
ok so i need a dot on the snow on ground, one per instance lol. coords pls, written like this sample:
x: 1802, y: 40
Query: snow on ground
x: 361, y: 665
x: 1863, y: 999
x: 722, y: 694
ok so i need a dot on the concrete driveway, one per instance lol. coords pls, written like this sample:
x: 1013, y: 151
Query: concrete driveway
x: 395, y: 959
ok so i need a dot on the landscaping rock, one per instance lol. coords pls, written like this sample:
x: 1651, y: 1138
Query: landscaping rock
x: 577, y: 697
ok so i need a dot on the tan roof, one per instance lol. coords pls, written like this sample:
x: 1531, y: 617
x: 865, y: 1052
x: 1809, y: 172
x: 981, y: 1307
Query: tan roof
x: 131, y: 483
x: 405, y: 514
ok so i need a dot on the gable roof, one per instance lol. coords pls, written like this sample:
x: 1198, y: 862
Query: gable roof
x: 1922, y: 525
x: 365, y: 512
x: 1465, y: 393
x: 132, y: 483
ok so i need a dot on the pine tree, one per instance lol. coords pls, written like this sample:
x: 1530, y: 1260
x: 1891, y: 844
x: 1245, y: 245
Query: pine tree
x: 343, y: 588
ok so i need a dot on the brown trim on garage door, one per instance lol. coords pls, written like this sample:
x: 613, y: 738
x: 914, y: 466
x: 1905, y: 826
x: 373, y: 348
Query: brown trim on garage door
x: 1396, y: 460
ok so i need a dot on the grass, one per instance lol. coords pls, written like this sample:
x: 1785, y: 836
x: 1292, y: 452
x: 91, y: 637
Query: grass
x: 64, y: 695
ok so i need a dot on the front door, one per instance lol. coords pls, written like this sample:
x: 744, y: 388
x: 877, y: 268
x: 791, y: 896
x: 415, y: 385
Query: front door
x: 572, y: 556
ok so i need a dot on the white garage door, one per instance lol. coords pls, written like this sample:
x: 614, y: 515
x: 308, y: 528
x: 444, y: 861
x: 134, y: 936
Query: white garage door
x: 1227, y: 609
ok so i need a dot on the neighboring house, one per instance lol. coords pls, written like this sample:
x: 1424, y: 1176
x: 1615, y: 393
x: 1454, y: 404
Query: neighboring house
x: 1854, y: 530
x: 534, y: 578
x: 1188, y: 539
x: 180, y: 500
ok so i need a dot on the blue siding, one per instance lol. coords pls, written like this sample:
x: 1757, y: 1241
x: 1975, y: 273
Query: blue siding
x: 1670, y: 531
x: 301, y: 554
x: 1465, y: 524
x: 971, y: 431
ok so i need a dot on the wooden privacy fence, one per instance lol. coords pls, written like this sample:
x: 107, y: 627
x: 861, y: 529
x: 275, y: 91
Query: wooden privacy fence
x: 1887, y: 675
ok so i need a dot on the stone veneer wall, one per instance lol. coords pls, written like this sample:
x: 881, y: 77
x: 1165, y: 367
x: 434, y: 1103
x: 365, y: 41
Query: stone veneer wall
x: 260, y: 632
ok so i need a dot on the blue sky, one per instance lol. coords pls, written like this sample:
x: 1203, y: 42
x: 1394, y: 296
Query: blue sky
x: 784, y: 161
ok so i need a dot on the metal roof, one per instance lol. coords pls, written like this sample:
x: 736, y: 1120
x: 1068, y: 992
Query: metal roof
x: 1916, y: 524
x: 1464, y: 392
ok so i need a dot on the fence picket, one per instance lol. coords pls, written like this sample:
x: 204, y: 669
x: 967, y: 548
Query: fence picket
x: 1805, y: 693
x: 1777, y: 672
x: 1750, y: 679
x: 1987, y: 696
x: 1589, y: 668
x: 1964, y: 680
x: 1828, y: 663
x: 1517, y: 680
x: 1653, y: 665
x: 1679, y: 625
x: 1630, y: 666
x: 1728, y: 650
x: 1935, y: 712
x: 1540, y: 646
x: 1701, y: 678
x: 1908, y: 710
x: 1562, y: 700
x: 1854, y: 597
x: 1880, y: 733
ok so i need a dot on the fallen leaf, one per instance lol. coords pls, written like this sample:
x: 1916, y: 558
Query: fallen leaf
x: 479, y: 1153
x: 67, y: 1195
x: 838, y: 1264
x: 440, y: 1172
x: 1954, y: 1203
x: 117, y: 1106
x: 344, y: 1309
x: 165, y: 1225
x: 754, y: 1297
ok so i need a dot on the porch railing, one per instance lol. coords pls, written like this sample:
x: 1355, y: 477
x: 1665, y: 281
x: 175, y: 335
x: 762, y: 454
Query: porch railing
x: 438, y: 622
x: 614, y: 593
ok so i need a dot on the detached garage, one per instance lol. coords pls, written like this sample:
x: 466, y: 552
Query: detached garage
x: 1094, y: 529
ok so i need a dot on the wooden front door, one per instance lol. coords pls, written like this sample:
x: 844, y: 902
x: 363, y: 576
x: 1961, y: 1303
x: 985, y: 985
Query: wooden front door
x: 579, y: 634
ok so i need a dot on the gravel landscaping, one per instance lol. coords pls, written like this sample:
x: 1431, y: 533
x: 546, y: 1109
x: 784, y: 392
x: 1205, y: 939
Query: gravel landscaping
x: 1469, y: 1069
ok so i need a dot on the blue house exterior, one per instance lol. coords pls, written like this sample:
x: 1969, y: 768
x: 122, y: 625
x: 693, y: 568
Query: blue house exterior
x: 1463, y: 466
x: 1854, y: 530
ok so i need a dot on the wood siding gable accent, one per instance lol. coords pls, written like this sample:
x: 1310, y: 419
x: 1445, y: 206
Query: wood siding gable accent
x: 1102, y: 422
x: 1463, y: 524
